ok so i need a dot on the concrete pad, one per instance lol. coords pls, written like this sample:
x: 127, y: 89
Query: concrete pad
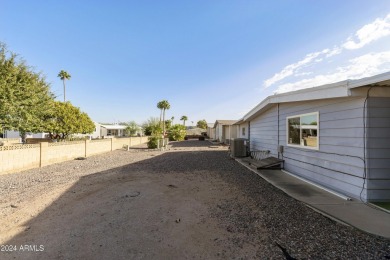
x: 359, y: 215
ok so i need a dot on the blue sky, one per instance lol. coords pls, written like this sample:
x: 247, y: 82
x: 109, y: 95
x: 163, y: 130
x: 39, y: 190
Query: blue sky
x: 210, y: 59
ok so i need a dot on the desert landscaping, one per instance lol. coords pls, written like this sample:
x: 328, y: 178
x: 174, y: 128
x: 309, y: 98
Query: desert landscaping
x: 190, y: 202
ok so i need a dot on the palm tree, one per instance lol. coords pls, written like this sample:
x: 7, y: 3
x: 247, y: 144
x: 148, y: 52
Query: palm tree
x: 172, y: 119
x: 159, y: 106
x: 184, y: 118
x: 63, y: 75
x: 163, y: 105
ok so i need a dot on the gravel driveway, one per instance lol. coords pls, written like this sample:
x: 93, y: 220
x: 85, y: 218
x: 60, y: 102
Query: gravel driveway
x: 192, y: 202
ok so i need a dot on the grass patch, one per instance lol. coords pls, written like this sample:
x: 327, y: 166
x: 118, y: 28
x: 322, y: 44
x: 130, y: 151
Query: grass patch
x: 385, y: 205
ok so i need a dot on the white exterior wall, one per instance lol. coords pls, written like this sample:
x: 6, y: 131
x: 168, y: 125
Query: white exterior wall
x: 239, y: 130
x: 103, y: 131
x: 11, y: 134
x: 263, y: 132
x: 338, y: 163
x: 97, y: 131
x: 218, y: 132
x: 16, y: 134
x: 211, y: 132
x: 225, y: 134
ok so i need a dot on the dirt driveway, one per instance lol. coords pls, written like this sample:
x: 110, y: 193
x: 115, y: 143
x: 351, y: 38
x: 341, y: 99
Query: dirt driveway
x: 192, y: 202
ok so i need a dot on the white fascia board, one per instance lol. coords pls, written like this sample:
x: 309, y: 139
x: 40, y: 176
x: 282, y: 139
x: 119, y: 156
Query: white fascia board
x: 334, y: 90
x: 377, y: 79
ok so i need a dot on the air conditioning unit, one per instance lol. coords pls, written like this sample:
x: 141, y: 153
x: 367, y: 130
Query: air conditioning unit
x: 238, y: 147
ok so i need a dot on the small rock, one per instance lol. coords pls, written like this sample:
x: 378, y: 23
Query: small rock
x: 134, y: 194
x: 13, y: 206
x: 177, y: 220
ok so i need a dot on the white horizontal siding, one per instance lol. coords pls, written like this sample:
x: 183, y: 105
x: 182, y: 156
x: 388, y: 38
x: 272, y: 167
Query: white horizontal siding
x: 339, y: 161
x: 344, y: 187
x: 263, y: 132
x: 338, y: 164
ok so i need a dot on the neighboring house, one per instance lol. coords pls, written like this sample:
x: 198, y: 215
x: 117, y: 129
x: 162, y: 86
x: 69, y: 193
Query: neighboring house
x: 16, y: 134
x: 242, y: 129
x: 195, y: 131
x: 100, y: 131
x: 112, y: 130
x: 336, y: 135
x: 225, y: 130
x: 96, y: 133
x: 210, y: 131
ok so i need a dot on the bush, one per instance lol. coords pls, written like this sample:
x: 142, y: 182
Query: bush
x: 153, y: 142
x: 177, y: 132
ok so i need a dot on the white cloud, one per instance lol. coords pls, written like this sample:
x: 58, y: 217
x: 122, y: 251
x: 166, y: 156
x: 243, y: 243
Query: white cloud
x: 335, y: 51
x: 303, y: 74
x: 292, y: 68
x: 369, y: 33
x: 363, y: 66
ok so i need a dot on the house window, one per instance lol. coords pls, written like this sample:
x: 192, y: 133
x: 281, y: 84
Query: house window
x: 302, y: 130
x: 243, y: 131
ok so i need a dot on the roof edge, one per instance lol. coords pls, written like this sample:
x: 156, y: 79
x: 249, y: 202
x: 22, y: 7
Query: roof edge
x: 332, y: 90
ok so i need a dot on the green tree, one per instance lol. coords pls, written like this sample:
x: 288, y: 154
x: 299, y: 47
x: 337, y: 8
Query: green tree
x: 152, y: 126
x: 25, y: 95
x: 202, y: 124
x: 168, y: 124
x: 184, y: 118
x: 63, y: 75
x: 67, y: 119
x: 163, y: 105
x: 131, y: 128
x: 177, y: 132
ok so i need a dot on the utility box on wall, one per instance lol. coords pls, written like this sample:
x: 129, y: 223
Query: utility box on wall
x: 238, y: 147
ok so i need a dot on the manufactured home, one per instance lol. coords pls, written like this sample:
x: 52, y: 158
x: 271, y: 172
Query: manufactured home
x: 242, y: 129
x: 210, y: 131
x: 335, y: 135
x: 225, y: 130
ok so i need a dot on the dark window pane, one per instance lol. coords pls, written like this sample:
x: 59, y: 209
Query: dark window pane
x: 294, y: 130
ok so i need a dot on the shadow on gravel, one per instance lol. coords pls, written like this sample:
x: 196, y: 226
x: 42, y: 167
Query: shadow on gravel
x: 78, y: 226
x: 190, y: 144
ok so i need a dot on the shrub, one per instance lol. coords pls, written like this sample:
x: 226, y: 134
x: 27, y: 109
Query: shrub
x: 153, y: 142
x: 177, y: 133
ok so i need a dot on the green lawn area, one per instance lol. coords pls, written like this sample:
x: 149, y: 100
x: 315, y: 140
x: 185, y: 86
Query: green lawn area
x: 385, y: 205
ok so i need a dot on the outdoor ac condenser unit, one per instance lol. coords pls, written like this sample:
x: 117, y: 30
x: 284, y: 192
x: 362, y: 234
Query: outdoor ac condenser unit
x: 238, y: 147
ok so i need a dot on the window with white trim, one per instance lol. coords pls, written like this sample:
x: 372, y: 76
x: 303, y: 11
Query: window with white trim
x: 303, y: 130
x: 243, y: 131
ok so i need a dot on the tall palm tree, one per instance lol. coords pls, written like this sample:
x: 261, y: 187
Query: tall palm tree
x: 160, y: 106
x: 63, y: 75
x: 184, y: 118
x: 163, y: 105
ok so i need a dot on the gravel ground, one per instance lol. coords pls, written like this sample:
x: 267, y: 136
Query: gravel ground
x: 240, y: 216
